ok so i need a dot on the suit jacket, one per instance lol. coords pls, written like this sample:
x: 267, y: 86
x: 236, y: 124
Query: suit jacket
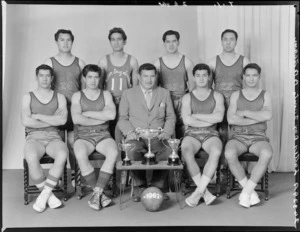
x: 134, y: 113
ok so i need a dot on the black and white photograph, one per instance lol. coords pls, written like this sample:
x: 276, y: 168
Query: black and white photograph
x: 163, y: 115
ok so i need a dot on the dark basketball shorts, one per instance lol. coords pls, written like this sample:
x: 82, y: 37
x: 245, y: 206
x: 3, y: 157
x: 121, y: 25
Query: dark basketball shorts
x: 202, y: 134
x: 248, y: 138
x: 92, y: 134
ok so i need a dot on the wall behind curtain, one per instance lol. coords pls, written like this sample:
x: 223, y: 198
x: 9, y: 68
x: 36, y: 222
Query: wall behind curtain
x: 264, y: 38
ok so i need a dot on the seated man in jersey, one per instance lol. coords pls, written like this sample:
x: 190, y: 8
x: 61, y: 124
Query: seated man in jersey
x: 92, y: 108
x: 248, y: 113
x: 147, y: 106
x: 202, y: 109
x: 43, y: 110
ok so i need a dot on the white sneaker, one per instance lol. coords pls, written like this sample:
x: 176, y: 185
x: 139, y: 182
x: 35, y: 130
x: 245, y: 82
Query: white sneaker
x: 94, y: 202
x: 254, y: 198
x: 244, y: 200
x: 53, y: 201
x: 208, y: 197
x: 105, y: 200
x: 40, y: 203
x: 194, y: 198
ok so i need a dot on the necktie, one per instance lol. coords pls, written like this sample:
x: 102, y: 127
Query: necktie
x: 148, y: 98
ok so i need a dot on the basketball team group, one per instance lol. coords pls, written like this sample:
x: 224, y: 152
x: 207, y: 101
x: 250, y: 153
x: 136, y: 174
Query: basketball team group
x: 78, y: 109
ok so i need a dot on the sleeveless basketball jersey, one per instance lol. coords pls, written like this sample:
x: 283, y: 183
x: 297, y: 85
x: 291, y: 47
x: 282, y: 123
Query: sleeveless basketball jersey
x: 254, y: 105
x: 118, y: 78
x: 93, y: 105
x: 38, y: 107
x: 174, y: 79
x: 229, y: 78
x: 66, y: 78
x: 206, y: 106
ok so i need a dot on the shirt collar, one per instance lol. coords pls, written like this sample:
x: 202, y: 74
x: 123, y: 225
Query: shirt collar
x: 145, y: 91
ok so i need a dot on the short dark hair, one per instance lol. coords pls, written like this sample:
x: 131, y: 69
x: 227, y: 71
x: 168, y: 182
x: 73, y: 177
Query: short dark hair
x: 91, y: 68
x: 252, y: 66
x: 230, y: 31
x: 117, y: 30
x: 147, y: 66
x: 171, y: 32
x: 63, y: 31
x: 201, y: 66
x: 44, y: 67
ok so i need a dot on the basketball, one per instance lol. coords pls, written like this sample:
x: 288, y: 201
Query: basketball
x: 152, y: 199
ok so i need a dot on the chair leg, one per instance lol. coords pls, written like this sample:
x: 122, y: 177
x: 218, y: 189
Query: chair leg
x: 228, y: 183
x: 65, y: 183
x: 266, y: 186
x: 78, y: 182
x: 26, y: 181
x: 218, y: 181
x: 114, y: 183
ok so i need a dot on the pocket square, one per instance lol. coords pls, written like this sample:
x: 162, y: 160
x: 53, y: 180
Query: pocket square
x: 162, y: 104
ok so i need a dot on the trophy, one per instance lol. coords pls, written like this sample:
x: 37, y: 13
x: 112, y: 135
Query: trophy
x: 173, y: 159
x: 149, y: 157
x: 126, y: 147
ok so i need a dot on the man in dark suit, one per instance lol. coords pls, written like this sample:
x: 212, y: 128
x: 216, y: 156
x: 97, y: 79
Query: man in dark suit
x: 147, y: 106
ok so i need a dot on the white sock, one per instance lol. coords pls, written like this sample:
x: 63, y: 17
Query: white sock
x: 203, y: 183
x: 197, y: 179
x: 248, y: 189
x: 243, y: 182
x: 98, y: 189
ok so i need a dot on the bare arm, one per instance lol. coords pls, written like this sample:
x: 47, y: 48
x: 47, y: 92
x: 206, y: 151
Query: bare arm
x: 186, y: 113
x: 135, y: 66
x: 60, y: 116
x: 189, y: 68
x: 81, y: 65
x: 217, y: 115
x: 26, y: 116
x: 108, y: 112
x: 233, y: 117
x: 263, y: 115
x: 77, y: 116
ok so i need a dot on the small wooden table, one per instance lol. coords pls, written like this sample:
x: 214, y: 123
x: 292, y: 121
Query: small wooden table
x: 161, y: 165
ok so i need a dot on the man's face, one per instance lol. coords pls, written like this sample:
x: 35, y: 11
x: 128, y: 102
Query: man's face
x: 147, y: 79
x: 44, y: 78
x: 116, y: 42
x: 229, y: 42
x: 251, y: 77
x: 201, y: 78
x: 64, y: 42
x: 171, y: 44
x: 92, y: 80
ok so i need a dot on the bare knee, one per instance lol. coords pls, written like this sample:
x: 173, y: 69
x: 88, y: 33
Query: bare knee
x: 265, y: 155
x: 231, y: 155
x: 187, y: 152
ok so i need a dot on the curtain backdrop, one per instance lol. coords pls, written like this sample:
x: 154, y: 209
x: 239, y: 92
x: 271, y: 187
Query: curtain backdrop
x: 266, y: 36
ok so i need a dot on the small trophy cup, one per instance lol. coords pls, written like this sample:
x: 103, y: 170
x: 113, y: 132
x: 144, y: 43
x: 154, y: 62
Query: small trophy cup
x: 149, y: 157
x: 126, y: 147
x: 173, y: 159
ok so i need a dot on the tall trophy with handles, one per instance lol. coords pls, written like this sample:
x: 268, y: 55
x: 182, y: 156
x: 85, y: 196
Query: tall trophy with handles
x: 149, y: 157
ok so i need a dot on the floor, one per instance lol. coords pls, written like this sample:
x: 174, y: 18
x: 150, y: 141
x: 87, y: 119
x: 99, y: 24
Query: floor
x: 278, y: 211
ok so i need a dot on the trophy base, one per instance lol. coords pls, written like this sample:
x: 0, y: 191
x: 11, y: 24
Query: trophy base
x: 149, y: 160
x: 126, y: 163
x: 173, y: 161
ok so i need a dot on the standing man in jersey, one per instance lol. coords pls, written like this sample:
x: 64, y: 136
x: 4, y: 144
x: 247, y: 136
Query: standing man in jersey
x: 119, y: 72
x: 67, y: 80
x: 92, y: 108
x: 202, y: 109
x: 227, y: 71
x: 175, y: 74
x: 248, y: 113
x: 43, y: 110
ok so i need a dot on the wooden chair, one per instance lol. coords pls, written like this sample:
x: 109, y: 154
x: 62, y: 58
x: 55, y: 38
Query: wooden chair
x: 32, y: 189
x: 232, y: 184
x: 95, y: 156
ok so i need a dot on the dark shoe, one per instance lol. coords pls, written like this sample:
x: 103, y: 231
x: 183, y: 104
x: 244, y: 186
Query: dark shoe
x: 137, y: 193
